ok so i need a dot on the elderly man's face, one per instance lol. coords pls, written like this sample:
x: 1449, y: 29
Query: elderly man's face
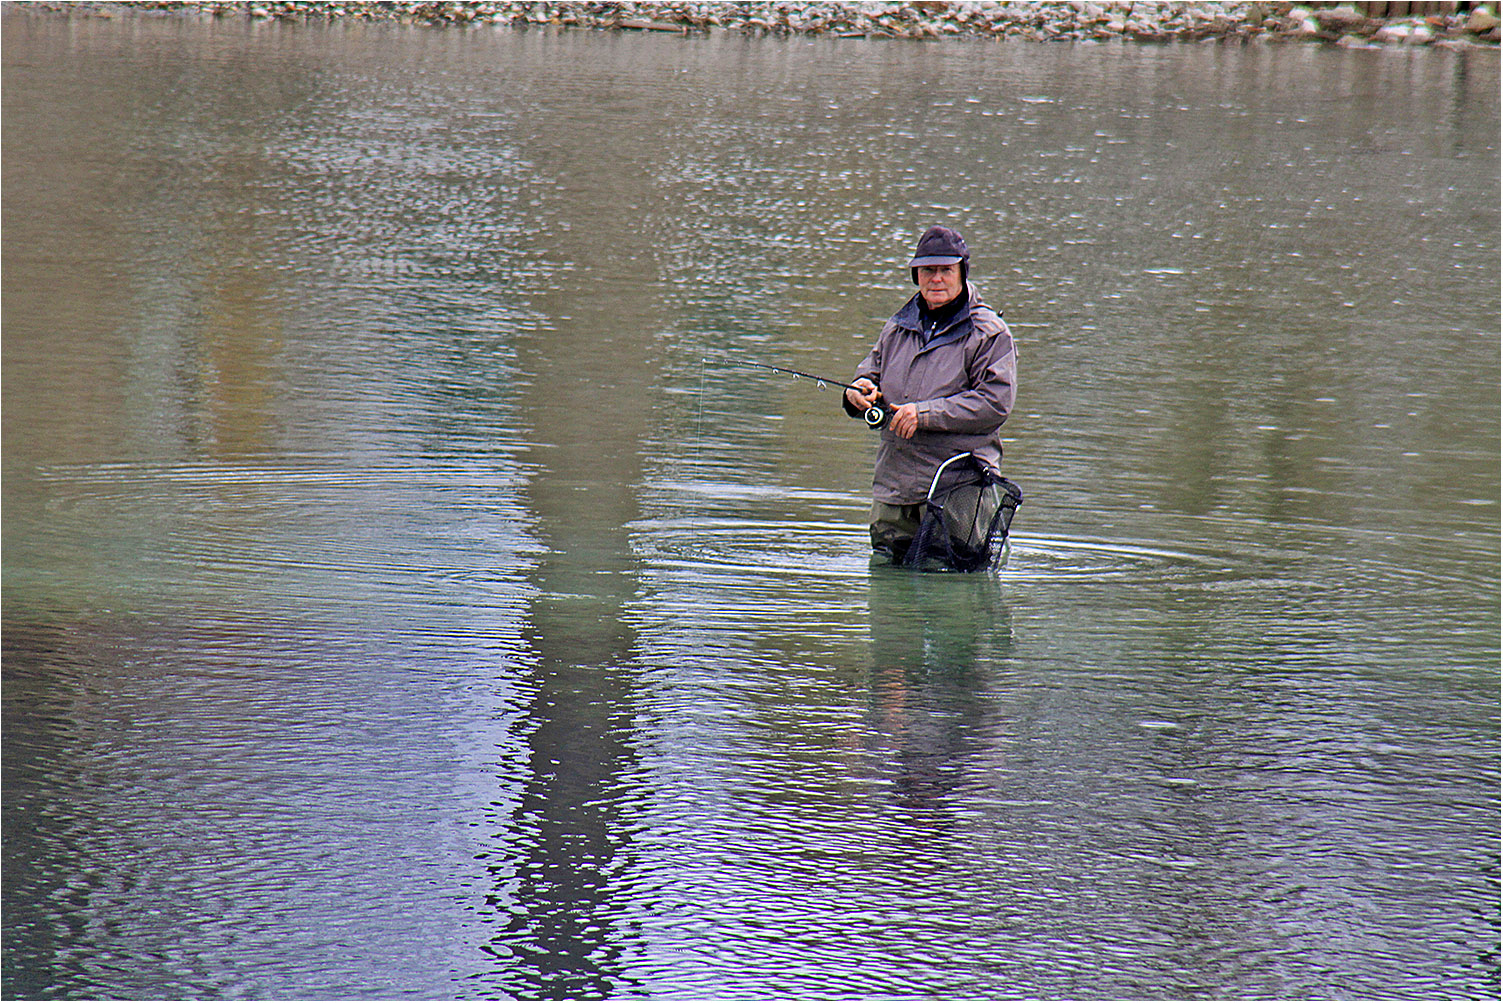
x: 939, y: 284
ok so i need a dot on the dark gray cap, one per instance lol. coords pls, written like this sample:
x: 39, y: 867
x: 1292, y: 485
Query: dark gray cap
x: 939, y: 245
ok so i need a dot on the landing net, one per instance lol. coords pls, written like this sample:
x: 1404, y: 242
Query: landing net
x: 966, y: 518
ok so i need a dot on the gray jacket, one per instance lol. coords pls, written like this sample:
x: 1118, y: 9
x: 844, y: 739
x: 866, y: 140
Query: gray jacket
x: 963, y: 378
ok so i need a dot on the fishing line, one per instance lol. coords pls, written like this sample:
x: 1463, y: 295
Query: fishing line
x: 699, y: 430
x: 699, y: 438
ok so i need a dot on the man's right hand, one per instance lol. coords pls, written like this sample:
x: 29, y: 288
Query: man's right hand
x: 862, y: 393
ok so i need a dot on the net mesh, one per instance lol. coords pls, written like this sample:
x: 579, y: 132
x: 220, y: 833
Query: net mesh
x: 966, y: 518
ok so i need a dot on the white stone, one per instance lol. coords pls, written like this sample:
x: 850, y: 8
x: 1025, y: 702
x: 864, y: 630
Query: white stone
x: 1480, y: 20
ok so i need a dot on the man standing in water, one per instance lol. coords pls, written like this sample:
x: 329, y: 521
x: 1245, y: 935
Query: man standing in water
x: 946, y: 364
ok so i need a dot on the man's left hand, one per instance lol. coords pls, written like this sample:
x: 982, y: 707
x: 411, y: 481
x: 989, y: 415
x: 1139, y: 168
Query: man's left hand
x: 904, y: 420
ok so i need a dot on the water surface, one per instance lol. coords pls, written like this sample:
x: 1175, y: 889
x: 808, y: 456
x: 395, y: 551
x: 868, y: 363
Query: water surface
x: 407, y: 595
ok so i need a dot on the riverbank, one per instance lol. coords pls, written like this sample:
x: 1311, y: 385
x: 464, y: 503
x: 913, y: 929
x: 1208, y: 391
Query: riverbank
x: 1063, y: 20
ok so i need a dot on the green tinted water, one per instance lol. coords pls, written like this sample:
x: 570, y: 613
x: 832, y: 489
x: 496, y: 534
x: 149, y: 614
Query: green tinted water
x: 402, y: 597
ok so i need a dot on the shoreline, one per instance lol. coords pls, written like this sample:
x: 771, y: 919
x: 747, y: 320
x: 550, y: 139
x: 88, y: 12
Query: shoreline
x: 1161, y: 22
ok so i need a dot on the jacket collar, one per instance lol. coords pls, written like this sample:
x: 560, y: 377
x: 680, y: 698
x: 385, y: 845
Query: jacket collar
x: 910, y: 318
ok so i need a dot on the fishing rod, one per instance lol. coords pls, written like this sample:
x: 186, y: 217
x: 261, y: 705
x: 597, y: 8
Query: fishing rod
x: 875, y: 416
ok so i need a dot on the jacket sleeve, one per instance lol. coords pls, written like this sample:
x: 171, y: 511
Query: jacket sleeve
x: 870, y: 368
x: 991, y: 375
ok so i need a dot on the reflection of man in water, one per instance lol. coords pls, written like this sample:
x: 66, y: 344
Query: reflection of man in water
x: 940, y: 647
x: 945, y: 362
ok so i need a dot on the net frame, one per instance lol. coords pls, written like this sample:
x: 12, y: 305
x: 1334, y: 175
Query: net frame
x: 966, y: 507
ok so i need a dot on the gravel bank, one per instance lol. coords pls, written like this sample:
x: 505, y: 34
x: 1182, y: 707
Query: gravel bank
x: 1441, y: 25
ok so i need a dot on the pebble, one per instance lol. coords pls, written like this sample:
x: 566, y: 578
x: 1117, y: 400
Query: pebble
x: 1146, y: 21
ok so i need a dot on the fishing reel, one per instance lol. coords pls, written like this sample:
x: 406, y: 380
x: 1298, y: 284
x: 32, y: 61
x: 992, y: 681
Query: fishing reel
x: 876, y: 416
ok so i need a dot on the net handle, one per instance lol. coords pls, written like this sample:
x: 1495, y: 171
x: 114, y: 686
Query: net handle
x: 934, y: 484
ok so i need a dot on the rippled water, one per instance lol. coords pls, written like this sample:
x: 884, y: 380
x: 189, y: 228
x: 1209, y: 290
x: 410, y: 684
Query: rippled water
x: 407, y: 593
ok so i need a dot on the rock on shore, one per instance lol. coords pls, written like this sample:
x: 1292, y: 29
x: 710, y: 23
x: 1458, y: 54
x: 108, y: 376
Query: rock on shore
x: 1063, y: 20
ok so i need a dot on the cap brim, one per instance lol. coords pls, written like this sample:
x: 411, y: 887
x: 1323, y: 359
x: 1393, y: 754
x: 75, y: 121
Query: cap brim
x: 936, y: 259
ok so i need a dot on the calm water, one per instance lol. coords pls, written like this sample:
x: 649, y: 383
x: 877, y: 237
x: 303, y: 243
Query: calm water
x: 406, y: 595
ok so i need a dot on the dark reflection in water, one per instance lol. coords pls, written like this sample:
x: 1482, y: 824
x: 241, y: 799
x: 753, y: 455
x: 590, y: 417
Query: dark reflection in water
x: 405, y: 597
x: 939, y: 646
x: 586, y: 440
